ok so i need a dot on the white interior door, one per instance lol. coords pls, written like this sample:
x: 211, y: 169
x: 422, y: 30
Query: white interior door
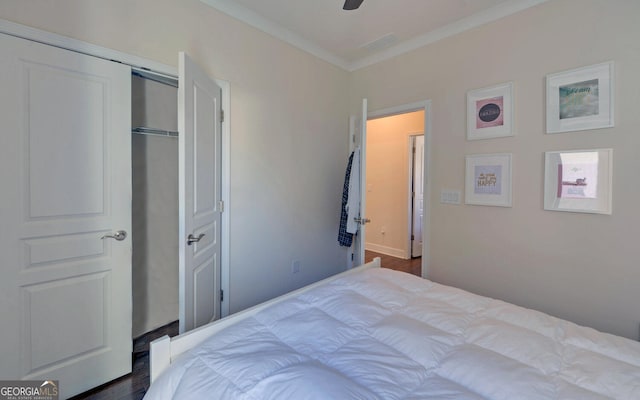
x: 361, y: 141
x: 65, y: 174
x: 199, y: 191
x: 418, y: 195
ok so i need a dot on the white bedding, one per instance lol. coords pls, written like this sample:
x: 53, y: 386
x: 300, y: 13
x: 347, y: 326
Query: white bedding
x: 381, y: 334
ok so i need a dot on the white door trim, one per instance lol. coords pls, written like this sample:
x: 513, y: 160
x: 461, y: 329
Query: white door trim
x: 64, y: 42
x: 403, y: 109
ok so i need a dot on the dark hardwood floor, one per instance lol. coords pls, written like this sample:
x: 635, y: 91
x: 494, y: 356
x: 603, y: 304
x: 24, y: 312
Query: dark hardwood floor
x: 412, y: 266
x: 134, y: 385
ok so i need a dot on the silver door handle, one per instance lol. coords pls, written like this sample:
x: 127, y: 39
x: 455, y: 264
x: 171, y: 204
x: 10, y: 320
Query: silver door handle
x: 362, y: 221
x: 192, y: 239
x: 119, y: 236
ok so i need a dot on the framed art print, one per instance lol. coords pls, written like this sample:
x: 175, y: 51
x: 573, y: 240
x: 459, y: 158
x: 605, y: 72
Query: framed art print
x: 578, y: 181
x: 488, y: 180
x: 580, y: 99
x: 490, y: 112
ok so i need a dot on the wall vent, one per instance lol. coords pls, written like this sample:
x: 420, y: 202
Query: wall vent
x: 381, y: 43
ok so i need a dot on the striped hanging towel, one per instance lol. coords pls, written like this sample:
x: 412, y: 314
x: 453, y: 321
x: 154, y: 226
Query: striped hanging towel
x: 345, y: 238
x: 353, y: 198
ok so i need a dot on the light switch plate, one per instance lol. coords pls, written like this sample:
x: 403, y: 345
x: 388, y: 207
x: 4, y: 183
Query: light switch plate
x: 450, y: 196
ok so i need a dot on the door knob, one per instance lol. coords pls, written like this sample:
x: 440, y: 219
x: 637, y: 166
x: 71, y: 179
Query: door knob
x: 192, y: 239
x: 362, y: 221
x: 119, y: 236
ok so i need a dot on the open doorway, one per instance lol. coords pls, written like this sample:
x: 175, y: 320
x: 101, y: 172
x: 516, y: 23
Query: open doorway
x: 416, y: 193
x: 394, y: 184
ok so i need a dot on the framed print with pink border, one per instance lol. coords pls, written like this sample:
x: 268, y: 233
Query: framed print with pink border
x: 490, y: 112
x: 578, y: 181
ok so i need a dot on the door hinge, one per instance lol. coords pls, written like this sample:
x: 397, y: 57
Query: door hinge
x: 413, y: 237
x: 221, y: 295
x: 221, y: 115
x: 221, y: 206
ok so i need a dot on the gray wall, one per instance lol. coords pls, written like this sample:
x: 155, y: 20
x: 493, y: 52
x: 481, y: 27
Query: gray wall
x: 580, y: 267
x: 155, y: 232
x: 155, y: 207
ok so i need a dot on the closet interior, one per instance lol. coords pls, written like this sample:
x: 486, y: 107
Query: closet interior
x: 154, y: 153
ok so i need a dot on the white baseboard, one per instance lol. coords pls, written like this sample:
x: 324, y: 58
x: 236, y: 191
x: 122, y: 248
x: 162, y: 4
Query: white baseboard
x: 390, y: 251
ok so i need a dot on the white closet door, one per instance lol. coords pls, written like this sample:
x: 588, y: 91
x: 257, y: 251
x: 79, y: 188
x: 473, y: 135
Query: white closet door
x: 199, y: 193
x: 359, y: 240
x: 65, y: 174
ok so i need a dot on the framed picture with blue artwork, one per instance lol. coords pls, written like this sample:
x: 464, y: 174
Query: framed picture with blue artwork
x: 580, y: 99
x: 488, y: 180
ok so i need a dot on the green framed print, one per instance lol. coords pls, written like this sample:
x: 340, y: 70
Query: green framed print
x: 580, y: 99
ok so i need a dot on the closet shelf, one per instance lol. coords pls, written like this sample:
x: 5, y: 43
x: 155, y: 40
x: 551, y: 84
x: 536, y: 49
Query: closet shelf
x: 142, y: 130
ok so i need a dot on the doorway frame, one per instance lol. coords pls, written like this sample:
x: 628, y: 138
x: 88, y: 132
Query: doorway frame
x: 141, y: 63
x: 424, y: 105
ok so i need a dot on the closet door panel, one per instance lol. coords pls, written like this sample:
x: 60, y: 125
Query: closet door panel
x: 65, y: 173
x: 199, y: 188
x: 59, y: 185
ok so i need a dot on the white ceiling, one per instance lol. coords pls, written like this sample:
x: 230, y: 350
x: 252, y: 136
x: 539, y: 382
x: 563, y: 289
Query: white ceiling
x: 378, y: 30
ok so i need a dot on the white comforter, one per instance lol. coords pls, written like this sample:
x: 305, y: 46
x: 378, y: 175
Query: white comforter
x: 382, y: 334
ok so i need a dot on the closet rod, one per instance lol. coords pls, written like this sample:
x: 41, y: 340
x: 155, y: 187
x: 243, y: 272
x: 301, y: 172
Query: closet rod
x: 152, y: 131
x: 152, y: 76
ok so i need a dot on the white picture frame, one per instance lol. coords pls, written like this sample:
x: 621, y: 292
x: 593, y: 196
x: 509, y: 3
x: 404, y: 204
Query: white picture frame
x: 579, y: 181
x: 490, y: 112
x: 488, y: 179
x: 580, y: 99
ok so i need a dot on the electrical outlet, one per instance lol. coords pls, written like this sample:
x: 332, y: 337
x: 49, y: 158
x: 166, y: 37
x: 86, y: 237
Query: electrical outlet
x: 295, y: 267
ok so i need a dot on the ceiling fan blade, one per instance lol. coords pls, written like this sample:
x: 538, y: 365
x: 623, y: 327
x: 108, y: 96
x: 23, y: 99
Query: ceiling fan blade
x: 352, y: 4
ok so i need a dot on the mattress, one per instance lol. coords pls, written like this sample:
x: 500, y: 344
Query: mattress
x: 382, y: 334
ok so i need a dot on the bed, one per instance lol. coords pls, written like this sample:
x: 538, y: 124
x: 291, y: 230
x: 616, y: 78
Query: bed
x: 374, y: 333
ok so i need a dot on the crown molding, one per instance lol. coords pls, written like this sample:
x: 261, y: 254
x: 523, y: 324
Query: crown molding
x: 267, y: 26
x: 473, y: 21
x: 251, y: 18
